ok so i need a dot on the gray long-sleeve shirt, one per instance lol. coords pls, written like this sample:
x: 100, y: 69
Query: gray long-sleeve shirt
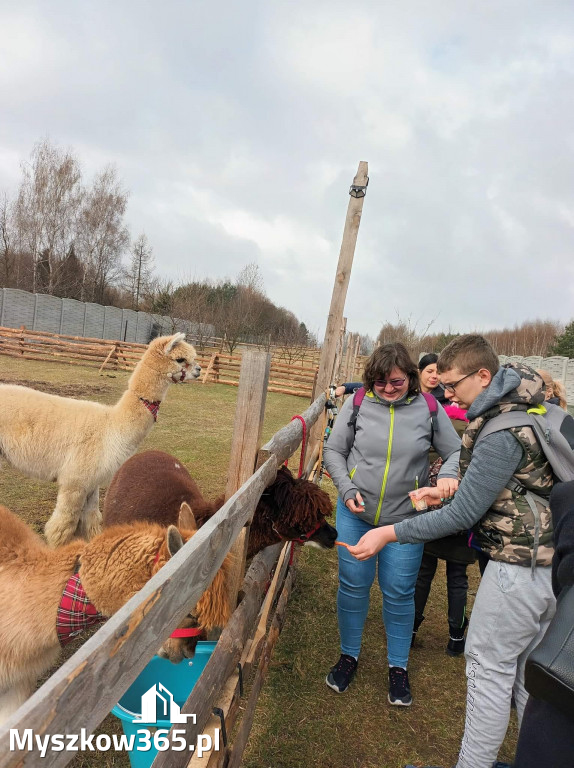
x: 494, y: 461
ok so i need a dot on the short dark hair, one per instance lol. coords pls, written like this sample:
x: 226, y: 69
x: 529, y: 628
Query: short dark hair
x: 384, y: 359
x: 429, y: 359
x: 468, y: 353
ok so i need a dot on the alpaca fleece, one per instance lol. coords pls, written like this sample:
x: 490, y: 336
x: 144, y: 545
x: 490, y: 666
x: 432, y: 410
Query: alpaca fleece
x: 114, y: 566
x: 153, y: 485
x: 80, y: 444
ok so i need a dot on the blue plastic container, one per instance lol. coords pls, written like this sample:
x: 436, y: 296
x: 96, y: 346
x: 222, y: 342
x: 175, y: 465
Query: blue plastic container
x: 179, y: 679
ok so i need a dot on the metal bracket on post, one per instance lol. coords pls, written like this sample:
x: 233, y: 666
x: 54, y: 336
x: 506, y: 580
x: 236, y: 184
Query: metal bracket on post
x: 218, y: 712
x: 240, y: 674
x: 358, y: 191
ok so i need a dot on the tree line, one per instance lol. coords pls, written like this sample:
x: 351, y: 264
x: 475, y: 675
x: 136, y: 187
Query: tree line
x: 66, y: 237
x: 534, y: 337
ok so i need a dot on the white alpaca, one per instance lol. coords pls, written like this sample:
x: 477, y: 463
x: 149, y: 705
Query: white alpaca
x: 80, y: 444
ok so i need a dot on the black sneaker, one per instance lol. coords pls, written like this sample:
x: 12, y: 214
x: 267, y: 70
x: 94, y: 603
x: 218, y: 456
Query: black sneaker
x: 399, y: 688
x: 456, y: 641
x: 342, y: 673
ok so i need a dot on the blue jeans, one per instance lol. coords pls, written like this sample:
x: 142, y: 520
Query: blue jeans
x: 398, y: 566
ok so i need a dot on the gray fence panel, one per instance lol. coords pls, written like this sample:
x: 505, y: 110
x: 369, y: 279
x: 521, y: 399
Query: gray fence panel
x: 48, y: 313
x: 94, y: 322
x: 534, y: 361
x: 143, y: 327
x: 556, y: 366
x: 73, y: 313
x: 18, y: 308
x: 112, y: 323
x: 129, y: 324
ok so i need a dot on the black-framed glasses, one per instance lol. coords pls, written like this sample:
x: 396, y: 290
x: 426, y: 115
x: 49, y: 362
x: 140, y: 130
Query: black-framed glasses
x: 454, y: 385
x: 395, y: 383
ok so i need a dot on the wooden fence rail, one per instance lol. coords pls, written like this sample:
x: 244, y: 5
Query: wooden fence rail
x: 292, y: 378
x: 82, y: 692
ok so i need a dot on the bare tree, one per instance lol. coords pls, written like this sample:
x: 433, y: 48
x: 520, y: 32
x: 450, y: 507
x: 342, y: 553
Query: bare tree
x: 102, y: 234
x: 139, y: 274
x: 7, y: 236
x: 47, y: 207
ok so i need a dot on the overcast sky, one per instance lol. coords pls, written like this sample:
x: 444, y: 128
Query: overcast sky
x: 238, y: 127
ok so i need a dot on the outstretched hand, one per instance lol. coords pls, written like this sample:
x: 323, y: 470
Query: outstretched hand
x: 372, y: 542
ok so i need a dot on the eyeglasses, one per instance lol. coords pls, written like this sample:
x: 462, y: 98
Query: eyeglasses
x: 454, y: 385
x: 395, y: 383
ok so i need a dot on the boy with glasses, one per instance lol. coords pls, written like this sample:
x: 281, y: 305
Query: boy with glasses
x: 514, y: 602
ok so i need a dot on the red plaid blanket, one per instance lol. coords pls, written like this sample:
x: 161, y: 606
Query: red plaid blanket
x: 75, y: 612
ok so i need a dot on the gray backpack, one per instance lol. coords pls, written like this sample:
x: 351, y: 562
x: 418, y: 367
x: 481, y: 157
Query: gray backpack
x: 553, y: 427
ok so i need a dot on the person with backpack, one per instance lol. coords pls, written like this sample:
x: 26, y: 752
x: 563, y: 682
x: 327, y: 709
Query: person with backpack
x: 457, y: 554
x: 378, y: 450
x: 506, y: 479
x: 428, y: 377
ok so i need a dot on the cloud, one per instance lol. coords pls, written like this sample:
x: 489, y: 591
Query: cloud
x: 238, y: 130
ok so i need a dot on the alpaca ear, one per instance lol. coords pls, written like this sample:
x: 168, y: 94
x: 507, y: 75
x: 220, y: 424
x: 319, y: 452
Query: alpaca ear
x: 186, y: 520
x: 176, y: 339
x: 174, y: 540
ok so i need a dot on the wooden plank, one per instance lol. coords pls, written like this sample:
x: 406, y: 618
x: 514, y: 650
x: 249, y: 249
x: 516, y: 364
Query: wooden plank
x: 335, y: 317
x: 246, y: 438
x: 249, y: 713
x: 225, y: 657
x: 82, y: 692
x: 287, y: 440
x: 209, y: 367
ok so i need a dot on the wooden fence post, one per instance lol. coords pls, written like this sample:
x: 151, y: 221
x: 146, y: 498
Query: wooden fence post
x: 328, y: 351
x: 249, y: 412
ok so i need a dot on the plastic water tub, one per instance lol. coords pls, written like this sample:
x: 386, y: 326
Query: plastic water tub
x: 179, y: 679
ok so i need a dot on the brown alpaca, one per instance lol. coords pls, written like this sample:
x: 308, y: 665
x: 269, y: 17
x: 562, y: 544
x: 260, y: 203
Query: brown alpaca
x: 80, y: 444
x: 153, y: 485
x: 112, y: 568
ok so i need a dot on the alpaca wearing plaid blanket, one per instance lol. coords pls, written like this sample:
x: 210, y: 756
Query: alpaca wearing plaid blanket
x: 113, y: 566
x: 81, y: 444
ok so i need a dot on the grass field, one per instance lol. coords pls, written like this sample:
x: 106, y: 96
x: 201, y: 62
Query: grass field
x: 299, y: 722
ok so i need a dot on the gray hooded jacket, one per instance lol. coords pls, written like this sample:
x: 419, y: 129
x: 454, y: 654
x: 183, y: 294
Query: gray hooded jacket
x: 494, y: 461
x: 387, y: 455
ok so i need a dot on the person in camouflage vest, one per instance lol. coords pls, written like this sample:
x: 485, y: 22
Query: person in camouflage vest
x: 514, y: 603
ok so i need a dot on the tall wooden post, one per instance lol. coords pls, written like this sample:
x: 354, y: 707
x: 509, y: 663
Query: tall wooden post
x: 249, y: 413
x: 334, y: 321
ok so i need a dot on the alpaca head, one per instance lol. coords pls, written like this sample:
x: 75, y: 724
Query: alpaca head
x: 174, y: 356
x: 298, y: 509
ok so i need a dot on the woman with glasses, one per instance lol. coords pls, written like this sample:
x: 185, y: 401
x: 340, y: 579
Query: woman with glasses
x: 375, y: 456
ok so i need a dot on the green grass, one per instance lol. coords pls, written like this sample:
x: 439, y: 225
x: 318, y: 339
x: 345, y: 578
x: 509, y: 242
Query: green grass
x: 299, y: 721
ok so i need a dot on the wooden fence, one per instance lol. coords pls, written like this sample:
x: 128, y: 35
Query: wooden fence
x: 289, y: 375
x: 82, y: 692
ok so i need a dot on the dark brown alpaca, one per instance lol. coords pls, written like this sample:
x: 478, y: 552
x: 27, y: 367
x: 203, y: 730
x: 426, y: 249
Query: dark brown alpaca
x: 153, y: 485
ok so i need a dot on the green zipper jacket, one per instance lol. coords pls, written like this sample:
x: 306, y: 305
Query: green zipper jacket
x: 388, y: 454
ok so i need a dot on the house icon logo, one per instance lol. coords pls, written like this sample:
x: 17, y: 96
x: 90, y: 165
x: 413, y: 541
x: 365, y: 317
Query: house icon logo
x: 159, y: 699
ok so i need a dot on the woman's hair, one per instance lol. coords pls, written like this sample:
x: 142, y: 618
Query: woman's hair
x: 429, y: 359
x: 556, y: 386
x: 384, y: 359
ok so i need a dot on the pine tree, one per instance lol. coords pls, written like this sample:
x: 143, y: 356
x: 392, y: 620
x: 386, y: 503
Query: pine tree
x: 564, y: 344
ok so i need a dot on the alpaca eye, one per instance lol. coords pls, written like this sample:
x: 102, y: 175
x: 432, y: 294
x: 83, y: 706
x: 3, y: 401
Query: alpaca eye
x: 180, y: 360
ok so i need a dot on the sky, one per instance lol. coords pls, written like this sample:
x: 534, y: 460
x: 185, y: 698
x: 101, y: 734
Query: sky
x: 238, y: 128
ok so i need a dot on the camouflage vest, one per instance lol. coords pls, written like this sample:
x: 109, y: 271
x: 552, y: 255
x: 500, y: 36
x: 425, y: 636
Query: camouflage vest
x: 509, y: 530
